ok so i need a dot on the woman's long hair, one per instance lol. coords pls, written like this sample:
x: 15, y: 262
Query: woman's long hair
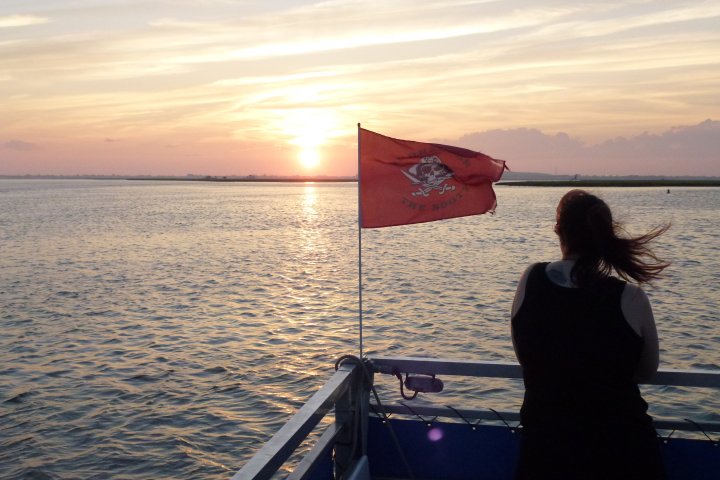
x: 587, y: 230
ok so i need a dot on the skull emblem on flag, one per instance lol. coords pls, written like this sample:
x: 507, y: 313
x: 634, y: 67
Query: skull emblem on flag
x: 430, y: 174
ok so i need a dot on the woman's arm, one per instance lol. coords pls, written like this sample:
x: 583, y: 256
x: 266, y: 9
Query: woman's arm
x: 517, y: 301
x: 638, y: 313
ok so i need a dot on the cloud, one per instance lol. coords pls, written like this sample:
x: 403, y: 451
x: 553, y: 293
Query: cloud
x: 20, y: 146
x: 9, y: 21
x: 422, y: 70
x: 682, y: 150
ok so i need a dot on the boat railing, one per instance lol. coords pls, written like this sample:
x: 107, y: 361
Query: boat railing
x: 347, y: 393
x: 273, y: 454
x: 511, y: 370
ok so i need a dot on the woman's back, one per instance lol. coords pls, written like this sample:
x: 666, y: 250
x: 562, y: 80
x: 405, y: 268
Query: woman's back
x: 583, y: 416
x: 578, y: 352
x: 583, y: 338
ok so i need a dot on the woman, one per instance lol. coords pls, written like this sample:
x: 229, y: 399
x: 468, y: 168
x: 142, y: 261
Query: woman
x: 584, y: 339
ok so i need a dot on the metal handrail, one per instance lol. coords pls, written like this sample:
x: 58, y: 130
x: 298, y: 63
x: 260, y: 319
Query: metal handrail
x: 469, y: 368
x: 278, y: 449
x: 510, y: 370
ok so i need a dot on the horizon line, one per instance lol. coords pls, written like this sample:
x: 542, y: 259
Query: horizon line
x: 524, y: 176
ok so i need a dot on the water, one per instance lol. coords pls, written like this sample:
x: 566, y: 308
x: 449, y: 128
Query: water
x: 167, y: 329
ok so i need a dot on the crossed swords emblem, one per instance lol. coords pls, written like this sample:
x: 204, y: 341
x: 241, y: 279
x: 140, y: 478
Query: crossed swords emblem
x: 430, y: 174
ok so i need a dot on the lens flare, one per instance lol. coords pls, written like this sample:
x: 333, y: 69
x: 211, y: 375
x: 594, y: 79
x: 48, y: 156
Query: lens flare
x: 435, y: 434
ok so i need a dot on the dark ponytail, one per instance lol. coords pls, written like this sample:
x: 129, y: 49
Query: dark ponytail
x: 587, y: 230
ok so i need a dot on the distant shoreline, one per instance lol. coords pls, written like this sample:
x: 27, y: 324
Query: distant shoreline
x: 252, y: 179
x: 560, y: 182
x: 220, y: 179
x: 612, y: 183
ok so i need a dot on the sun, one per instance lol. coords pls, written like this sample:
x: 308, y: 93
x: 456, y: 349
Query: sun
x: 309, y: 130
x: 309, y: 157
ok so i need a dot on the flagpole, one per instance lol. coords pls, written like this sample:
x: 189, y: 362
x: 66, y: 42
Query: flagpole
x: 360, y: 305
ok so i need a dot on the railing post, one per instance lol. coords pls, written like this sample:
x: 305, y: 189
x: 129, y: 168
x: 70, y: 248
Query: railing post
x: 367, y: 384
x: 351, y: 412
x: 344, y: 410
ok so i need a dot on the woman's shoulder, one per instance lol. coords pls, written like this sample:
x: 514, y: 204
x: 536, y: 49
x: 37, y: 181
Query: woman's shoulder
x: 636, y: 308
x: 533, y: 269
x: 633, y: 294
x: 522, y: 284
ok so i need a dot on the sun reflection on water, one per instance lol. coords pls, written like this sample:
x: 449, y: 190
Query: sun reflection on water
x: 121, y: 330
x: 309, y: 199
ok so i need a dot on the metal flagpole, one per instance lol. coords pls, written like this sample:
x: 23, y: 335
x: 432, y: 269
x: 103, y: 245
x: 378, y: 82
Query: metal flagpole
x: 360, y: 306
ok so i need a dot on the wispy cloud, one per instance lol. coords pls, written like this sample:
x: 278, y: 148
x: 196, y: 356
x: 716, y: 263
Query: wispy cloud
x: 253, y: 72
x: 20, y: 145
x: 9, y: 21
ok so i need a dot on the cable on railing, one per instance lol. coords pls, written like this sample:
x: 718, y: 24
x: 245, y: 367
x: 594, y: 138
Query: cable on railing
x: 666, y: 439
x: 472, y: 425
x: 696, y: 425
x: 477, y: 424
x: 368, y: 379
x: 426, y: 422
x: 384, y: 417
x: 512, y: 430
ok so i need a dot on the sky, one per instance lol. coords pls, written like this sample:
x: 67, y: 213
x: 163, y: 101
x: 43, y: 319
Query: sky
x: 277, y: 87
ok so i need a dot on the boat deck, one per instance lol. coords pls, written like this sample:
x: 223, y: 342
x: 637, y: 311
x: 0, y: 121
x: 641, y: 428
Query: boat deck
x: 364, y: 443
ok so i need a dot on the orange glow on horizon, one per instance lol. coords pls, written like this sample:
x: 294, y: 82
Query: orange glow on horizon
x: 309, y: 158
x: 208, y: 89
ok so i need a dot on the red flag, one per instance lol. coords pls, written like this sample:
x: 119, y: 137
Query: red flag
x: 403, y: 182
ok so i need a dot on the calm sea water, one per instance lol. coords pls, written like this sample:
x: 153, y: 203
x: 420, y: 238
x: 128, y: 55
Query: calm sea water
x: 166, y: 329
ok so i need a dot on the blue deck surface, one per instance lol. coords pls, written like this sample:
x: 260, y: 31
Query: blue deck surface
x: 443, y: 450
x: 453, y: 451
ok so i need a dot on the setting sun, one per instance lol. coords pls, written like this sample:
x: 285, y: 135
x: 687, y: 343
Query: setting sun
x: 309, y: 157
x: 309, y: 130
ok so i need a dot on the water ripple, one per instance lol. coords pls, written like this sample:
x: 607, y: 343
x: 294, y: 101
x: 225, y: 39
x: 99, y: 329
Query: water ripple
x: 166, y: 330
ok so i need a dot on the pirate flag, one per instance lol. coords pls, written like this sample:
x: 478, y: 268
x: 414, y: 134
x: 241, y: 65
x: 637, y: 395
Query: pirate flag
x: 403, y: 182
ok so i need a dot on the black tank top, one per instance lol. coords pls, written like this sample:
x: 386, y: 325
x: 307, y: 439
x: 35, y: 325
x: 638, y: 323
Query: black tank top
x: 579, y: 355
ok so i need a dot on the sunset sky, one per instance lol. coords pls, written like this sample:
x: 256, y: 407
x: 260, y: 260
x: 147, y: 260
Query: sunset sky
x: 238, y: 87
